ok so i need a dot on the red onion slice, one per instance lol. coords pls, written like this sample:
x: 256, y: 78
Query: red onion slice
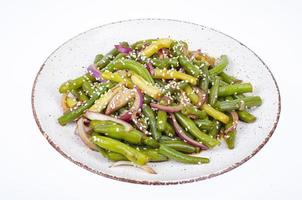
x: 84, y: 135
x: 150, y: 68
x: 234, y: 123
x: 123, y: 49
x: 99, y: 116
x: 146, y: 168
x: 169, y: 109
x: 119, y: 100
x: 92, y: 69
x: 202, y: 96
x: 126, y: 116
x: 180, y: 132
x: 137, y: 105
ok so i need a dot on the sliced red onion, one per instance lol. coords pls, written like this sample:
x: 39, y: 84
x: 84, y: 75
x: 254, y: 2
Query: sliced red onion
x: 123, y: 49
x: 126, y: 116
x: 99, y: 116
x: 180, y: 132
x: 202, y: 96
x: 92, y: 69
x: 138, y: 103
x: 150, y: 68
x: 146, y: 168
x: 84, y: 135
x: 234, y: 123
x: 119, y: 100
x: 169, y: 109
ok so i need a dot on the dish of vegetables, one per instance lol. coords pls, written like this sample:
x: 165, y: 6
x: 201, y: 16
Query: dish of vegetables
x: 156, y: 100
x: 175, y: 99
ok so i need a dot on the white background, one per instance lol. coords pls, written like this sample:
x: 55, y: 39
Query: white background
x: 30, y: 30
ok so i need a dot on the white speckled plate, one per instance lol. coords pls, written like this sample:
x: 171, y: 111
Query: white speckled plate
x: 71, y: 58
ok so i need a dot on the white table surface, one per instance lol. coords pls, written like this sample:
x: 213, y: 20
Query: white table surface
x: 30, y: 30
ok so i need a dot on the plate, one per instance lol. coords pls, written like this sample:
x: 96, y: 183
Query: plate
x: 71, y: 59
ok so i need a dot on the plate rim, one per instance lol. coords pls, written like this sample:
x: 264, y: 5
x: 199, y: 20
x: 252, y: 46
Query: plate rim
x: 169, y: 182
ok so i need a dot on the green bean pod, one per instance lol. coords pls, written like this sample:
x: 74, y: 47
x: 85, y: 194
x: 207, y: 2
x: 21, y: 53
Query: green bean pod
x: 180, y: 146
x: 214, y: 91
x: 149, y: 113
x: 161, y: 120
x: 220, y: 67
x: 239, y: 104
x: 189, y: 67
x: 74, y: 114
x: 189, y: 125
x: 246, y: 116
x: 116, y: 146
x: 181, y: 157
x: 154, y: 155
x: 235, y: 89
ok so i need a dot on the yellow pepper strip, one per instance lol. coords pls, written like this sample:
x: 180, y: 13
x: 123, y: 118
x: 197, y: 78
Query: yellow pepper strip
x: 156, y: 45
x: 102, y: 102
x: 215, y: 113
x: 146, y: 87
x: 117, y: 77
x: 192, y: 96
x: 171, y: 74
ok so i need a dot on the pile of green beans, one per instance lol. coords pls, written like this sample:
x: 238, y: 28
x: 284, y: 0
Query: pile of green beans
x: 176, y: 104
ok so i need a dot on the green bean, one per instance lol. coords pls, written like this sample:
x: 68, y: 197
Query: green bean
x: 235, y: 89
x: 191, y: 110
x: 165, y: 62
x: 204, y: 124
x: 75, y: 83
x: 74, y: 114
x: 230, y: 136
x: 149, y: 141
x: 214, y: 91
x: 88, y: 88
x: 94, y: 123
x: 182, y: 84
x: 228, y: 79
x: 246, y: 116
x: 169, y: 130
x: 181, y: 157
x: 161, y: 120
x: 239, y: 104
x: 119, y: 132
x: 179, y: 48
x: 132, y: 66
x: 190, y: 126
x: 215, y: 130
x: 220, y: 67
x: 98, y: 57
x: 222, y: 83
x: 154, y: 155
x: 79, y: 95
x: 204, y: 80
x: 118, y: 147
x: 148, y: 112
x: 189, y: 67
x: 109, y: 56
x: 180, y: 146
x: 192, y: 96
x: 216, y: 114
x: 165, y: 138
